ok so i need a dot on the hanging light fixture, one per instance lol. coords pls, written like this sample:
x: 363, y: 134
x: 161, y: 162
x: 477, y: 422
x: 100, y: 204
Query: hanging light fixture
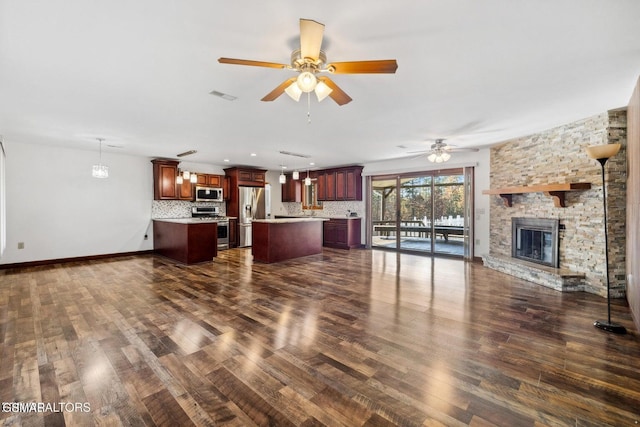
x: 439, y: 153
x: 193, y: 178
x: 100, y: 170
x: 439, y: 157
x: 179, y: 179
x: 282, y: 178
x: 308, y: 82
x: 307, y: 180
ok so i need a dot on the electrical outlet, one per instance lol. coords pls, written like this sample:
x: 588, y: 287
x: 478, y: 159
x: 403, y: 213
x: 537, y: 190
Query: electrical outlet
x: 20, y: 245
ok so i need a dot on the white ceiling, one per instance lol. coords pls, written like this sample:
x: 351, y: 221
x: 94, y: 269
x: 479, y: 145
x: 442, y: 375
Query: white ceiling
x: 139, y: 74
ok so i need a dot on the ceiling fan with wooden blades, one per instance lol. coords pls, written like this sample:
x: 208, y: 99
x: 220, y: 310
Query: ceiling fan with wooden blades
x: 310, y: 61
x: 439, y: 151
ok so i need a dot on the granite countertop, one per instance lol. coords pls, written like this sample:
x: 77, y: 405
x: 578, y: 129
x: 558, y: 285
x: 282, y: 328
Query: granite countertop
x: 189, y: 220
x: 290, y: 219
x: 318, y: 216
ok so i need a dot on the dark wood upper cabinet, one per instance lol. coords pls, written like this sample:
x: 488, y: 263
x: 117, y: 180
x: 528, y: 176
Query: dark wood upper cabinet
x: 291, y: 189
x: 321, y: 183
x: 248, y: 177
x: 185, y: 190
x: 164, y: 179
x: 208, y: 180
x: 340, y: 184
x: 353, y: 183
x: 165, y: 186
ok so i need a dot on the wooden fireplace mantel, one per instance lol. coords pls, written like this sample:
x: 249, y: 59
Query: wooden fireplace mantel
x: 555, y: 191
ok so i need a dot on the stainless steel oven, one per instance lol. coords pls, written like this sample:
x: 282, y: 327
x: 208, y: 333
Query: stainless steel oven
x: 223, y: 234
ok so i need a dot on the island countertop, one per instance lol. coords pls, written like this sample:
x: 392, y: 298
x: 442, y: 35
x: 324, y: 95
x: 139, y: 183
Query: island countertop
x: 190, y: 220
x: 289, y: 219
x: 318, y: 217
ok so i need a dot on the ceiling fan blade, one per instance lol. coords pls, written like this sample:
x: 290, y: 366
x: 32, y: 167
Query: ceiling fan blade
x: 252, y: 63
x: 279, y: 90
x: 363, y: 67
x: 337, y: 94
x: 459, y: 150
x: 311, y: 33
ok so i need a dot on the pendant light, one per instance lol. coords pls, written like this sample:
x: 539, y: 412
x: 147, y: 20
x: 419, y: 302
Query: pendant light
x: 100, y: 170
x: 307, y: 179
x: 282, y: 178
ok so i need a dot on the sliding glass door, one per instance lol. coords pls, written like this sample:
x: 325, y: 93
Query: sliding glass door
x: 428, y: 212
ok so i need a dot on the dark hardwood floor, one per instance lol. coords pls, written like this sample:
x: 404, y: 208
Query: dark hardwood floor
x: 344, y: 338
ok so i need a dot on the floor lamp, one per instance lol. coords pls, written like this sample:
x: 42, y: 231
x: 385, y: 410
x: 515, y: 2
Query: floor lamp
x: 602, y: 153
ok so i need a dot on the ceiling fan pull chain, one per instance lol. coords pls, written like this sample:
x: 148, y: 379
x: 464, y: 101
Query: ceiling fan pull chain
x: 308, y: 107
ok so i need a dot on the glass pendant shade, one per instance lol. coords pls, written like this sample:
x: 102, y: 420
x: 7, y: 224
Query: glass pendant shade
x: 100, y: 171
x: 282, y: 179
x: 293, y: 91
x: 186, y: 175
x: 179, y: 179
x: 296, y: 175
x: 193, y: 178
x: 306, y: 81
x: 322, y: 91
x: 439, y: 157
x: 307, y: 181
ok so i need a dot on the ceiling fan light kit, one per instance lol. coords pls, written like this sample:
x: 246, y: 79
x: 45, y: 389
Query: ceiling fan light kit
x: 309, y: 61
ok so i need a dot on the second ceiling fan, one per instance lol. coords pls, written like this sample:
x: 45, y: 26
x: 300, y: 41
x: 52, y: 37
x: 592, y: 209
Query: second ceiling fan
x: 310, y: 61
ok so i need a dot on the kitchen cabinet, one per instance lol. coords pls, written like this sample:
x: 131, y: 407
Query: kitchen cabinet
x: 291, y: 189
x: 321, y: 185
x: 340, y: 184
x: 185, y: 190
x: 342, y: 233
x: 250, y: 177
x: 185, y: 242
x: 233, y: 233
x: 164, y: 179
x: 208, y: 180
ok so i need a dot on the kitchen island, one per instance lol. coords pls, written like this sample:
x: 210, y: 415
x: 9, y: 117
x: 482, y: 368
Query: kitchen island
x: 281, y: 239
x: 187, y: 240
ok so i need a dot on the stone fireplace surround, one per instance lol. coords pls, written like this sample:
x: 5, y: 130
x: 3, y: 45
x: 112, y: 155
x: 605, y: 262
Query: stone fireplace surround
x: 558, y: 156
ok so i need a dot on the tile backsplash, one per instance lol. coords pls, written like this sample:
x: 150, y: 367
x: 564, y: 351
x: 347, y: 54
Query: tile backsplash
x: 179, y: 208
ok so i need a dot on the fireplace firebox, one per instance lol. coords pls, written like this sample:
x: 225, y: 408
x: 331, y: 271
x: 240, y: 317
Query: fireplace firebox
x: 535, y: 240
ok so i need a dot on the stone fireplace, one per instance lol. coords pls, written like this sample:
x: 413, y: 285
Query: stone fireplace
x: 535, y: 240
x: 557, y: 156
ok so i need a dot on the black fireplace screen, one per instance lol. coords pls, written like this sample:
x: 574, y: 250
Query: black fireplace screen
x: 535, y: 240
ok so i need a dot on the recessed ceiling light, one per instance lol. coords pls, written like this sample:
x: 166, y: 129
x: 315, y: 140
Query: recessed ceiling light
x: 226, y: 160
x: 253, y: 154
x: 223, y: 95
x: 311, y: 163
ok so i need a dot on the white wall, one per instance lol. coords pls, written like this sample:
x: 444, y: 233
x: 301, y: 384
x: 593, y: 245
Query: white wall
x: 58, y: 210
x: 479, y: 160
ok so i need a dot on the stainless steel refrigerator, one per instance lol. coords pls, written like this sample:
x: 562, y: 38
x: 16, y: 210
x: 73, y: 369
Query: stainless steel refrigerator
x: 251, y: 206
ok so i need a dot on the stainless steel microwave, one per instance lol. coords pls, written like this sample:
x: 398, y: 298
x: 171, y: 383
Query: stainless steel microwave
x: 209, y: 194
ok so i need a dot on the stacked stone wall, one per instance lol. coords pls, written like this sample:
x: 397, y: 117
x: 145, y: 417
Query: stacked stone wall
x: 558, y: 156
